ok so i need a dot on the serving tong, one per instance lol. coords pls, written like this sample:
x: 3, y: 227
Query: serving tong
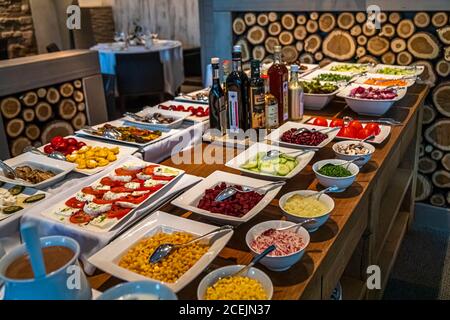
x: 54, y: 155
x: 231, y: 191
x: 303, y: 129
x: 9, y: 172
x: 388, y: 121
x: 110, y: 133
x: 150, y: 118
x: 276, y: 153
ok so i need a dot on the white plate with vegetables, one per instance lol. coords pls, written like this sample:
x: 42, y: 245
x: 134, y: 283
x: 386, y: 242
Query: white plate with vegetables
x: 255, y: 162
x: 387, y: 69
x: 14, y: 199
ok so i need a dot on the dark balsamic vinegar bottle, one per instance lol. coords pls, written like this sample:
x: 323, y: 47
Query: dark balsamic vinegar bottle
x: 257, y: 97
x: 279, y: 86
x: 217, y: 106
x: 237, y: 95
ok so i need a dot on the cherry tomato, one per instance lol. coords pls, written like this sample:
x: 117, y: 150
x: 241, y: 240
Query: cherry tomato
x: 71, y: 149
x: 201, y: 109
x: 191, y: 109
x: 181, y: 108
x: 319, y: 121
x: 80, y: 144
x: 161, y: 106
x: 74, y: 203
x: 72, y: 141
x: 62, y: 146
x: 337, y: 123
x: 56, y: 141
x: 347, y: 132
x: 173, y: 107
x: 355, y: 124
x: 199, y: 113
x: 117, y: 212
x: 48, y: 149
x: 374, y: 128
x: 206, y: 112
x: 80, y: 217
x: 364, y: 133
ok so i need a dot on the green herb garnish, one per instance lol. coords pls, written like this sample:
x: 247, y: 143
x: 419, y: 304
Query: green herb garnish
x: 332, y: 170
x: 332, y: 77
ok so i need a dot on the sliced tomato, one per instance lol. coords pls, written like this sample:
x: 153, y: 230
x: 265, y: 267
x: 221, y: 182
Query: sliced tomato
x: 162, y: 178
x: 80, y: 217
x: 92, y: 191
x: 135, y: 200
x: 347, y: 132
x: 149, y: 170
x: 117, y: 212
x: 320, y: 121
x: 151, y: 189
x: 355, y: 124
x: 121, y: 190
x: 103, y: 201
x: 337, y: 123
x: 374, y: 128
x: 74, y: 203
x: 125, y: 172
x: 107, y: 181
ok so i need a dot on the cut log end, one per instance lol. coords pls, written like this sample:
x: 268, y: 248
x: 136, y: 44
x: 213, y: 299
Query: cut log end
x: 15, y: 127
x: 79, y: 121
x: 405, y: 28
x: 262, y: 19
x: 424, y: 188
x: 256, y: 35
x: 422, y: 19
x: 404, y: 58
x: 346, y: 20
x: 439, y: 19
x: 10, y: 107
x: 427, y: 165
x: 438, y: 200
x: 377, y: 45
x: 312, y: 26
x: 274, y: 28
x: 288, y: 21
x: 429, y: 114
x: 239, y: 26
x: 66, y: 90
x: 423, y: 45
x: 56, y: 128
x: 327, y: 22
x: 438, y: 134
x: 443, y: 68
x: 270, y: 43
x: 339, y: 45
x: 289, y: 54
x: 18, y: 145
x: 428, y: 76
x: 32, y: 132
x: 441, y: 99
x: 313, y: 43
x: 30, y: 99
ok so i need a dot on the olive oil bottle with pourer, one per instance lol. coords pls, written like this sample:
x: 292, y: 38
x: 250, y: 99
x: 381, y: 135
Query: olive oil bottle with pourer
x: 217, y: 106
x: 237, y: 95
x: 296, y: 95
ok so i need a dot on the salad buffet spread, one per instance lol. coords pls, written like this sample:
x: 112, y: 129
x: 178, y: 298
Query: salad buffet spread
x: 122, y: 189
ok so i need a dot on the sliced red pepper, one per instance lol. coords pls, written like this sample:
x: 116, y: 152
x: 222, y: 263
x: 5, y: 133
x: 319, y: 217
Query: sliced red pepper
x: 117, y: 212
x: 75, y: 204
x: 92, y: 191
x: 135, y: 200
x: 151, y: 189
x: 80, y: 217
x: 103, y: 201
x: 107, y: 181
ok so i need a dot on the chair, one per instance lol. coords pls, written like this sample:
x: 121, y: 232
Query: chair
x: 53, y: 47
x: 139, y: 75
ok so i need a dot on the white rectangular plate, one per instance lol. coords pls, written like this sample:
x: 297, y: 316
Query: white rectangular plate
x: 65, y: 220
x: 121, y: 123
x: 316, y: 73
x: 186, y: 105
x: 418, y: 70
x: 35, y: 161
x: 275, y: 136
x: 177, y: 116
x: 252, y: 152
x: 190, y: 97
x: 332, y: 64
x: 344, y: 93
x: 108, y: 258
x: 124, y: 151
x: 385, y: 131
x: 27, y: 192
x: 190, y: 198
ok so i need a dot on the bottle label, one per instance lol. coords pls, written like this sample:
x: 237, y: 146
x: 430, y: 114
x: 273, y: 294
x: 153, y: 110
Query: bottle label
x: 296, y: 103
x: 272, y: 116
x: 285, y: 100
x: 257, y: 105
x: 233, y: 111
x: 222, y: 115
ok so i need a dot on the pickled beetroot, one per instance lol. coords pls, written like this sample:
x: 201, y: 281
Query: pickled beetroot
x: 237, y: 205
x: 312, y: 138
x: 373, y: 93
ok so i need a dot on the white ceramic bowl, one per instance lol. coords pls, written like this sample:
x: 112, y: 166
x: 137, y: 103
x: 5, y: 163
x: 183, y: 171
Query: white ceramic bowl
x: 320, y: 220
x: 343, y: 182
x: 279, y: 263
x: 212, y: 277
x: 318, y: 101
x: 347, y: 157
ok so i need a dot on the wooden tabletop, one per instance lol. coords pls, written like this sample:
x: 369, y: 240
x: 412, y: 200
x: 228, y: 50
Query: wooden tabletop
x: 302, y: 280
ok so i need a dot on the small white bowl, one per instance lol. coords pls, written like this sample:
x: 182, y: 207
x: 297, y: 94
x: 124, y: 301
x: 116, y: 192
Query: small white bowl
x: 279, y: 263
x: 320, y: 220
x: 211, y: 278
x: 347, y: 157
x: 343, y: 182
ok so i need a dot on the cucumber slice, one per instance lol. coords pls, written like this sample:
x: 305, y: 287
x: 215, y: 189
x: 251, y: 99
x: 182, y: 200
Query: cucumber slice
x: 250, y: 164
x: 16, y: 190
x: 12, y: 209
x: 35, y: 198
x: 291, y: 165
x: 288, y: 157
x: 283, y: 169
x: 268, y: 167
x: 283, y: 160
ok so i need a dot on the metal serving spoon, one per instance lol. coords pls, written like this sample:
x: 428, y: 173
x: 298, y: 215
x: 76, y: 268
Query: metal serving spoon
x: 388, y: 121
x: 276, y: 153
x: 231, y: 191
x: 307, y: 221
x: 320, y: 193
x: 54, y: 155
x: 8, y: 171
x: 255, y: 260
x: 165, y: 249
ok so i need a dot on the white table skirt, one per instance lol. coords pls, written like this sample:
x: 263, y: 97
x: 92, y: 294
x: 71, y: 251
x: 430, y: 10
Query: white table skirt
x: 170, y: 53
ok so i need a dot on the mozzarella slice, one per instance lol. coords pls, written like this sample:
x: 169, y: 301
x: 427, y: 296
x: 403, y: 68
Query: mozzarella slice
x: 94, y: 209
x: 139, y: 193
x: 142, y: 176
x: 65, y: 211
x: 133, y: 185
x: 124, y: 204
x: 166, y: 172
x: 114, y: 196
x: 83, y: 197
x: 101, y: 187
x: 151, y: 183
x: 121, y: 178
x: 134, y: 166
x: 103, y: 222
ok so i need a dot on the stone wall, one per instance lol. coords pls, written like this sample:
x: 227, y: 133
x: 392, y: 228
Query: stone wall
x: 16, y: 25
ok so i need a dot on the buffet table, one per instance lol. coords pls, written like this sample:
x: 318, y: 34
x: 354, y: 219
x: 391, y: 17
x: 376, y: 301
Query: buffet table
x: 366, y: 227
